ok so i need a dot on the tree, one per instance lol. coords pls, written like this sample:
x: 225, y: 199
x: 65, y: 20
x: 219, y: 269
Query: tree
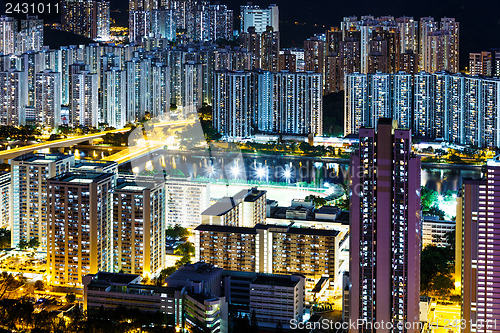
x: 33, y: 243
x: 279, y: 327
x: 436, y: 265
x: 253, y: 321
x: 435, y: 211
x: 428, y: 198
x: 442, y: 284
x: 23, y: 244
x: 318, y: 201
x: 177, y: 232
x: 184, y: 260
x: 9, y: 282
x: 4, y: 238
x: 450, y: 237
x: 39, y: 285
x: 70, y: 298
x: 185, y: 249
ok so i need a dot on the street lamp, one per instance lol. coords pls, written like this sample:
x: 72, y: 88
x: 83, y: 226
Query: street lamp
x: 235, y: 171
x: 261, y: 172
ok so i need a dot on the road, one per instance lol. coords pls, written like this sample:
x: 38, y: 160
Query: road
x: 133, y: 152
x: 153, y: 142
x: 13, y: 153
x: 444, y: 318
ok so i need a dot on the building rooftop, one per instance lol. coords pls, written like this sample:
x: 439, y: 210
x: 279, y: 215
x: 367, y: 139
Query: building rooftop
x: 253, y: 194
x: 136, y: 185
x: 199, y: 271
x: 89, y: 165
x: 225, y: 204
x: 201, y: 298
x: 435, y: 219
x: 82, y: 177
x: 221, y: 207
x: 225, y: 228
x: 328, y: 210
x: 275, y: 280
x: 116, y: 278
x: 41, y: 158
x: 312, y: 231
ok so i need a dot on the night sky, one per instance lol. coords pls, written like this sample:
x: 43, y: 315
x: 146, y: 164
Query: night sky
x: 479, y: 20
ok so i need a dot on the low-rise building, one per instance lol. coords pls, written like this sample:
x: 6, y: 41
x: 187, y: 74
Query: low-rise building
x: 191, y: 310
x: 205, y: 311
x: 434, y: 231
x: 277, y: 299
x: 112, y: 290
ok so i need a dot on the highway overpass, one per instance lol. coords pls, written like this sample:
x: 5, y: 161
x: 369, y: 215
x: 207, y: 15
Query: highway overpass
x: 13, y: 153
x: 121, y: 157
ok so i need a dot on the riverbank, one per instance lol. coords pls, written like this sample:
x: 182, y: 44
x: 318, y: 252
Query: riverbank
x: 326, y: 159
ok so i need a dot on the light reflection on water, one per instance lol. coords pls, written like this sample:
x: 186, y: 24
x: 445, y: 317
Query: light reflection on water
x: 307, y: 170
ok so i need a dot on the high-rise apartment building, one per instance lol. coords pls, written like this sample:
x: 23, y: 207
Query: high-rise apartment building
x: 139, y: 226
x: 181, y: 20
x: 89, y: 18
x: 30, y: 38
x: 480, y: 63
x: 232, y: 106
x: 427, y: 25
x: 408, y: 31
x: 478, y: 256
x: 356, y: 103
x: 384, y: 230
x: 254, y: 16
x: 83, y: 96
x: 369, y: 97
x: 5, y: 194
x: 314, y: 55
x: 48, y: 98
x: 383, y: 44
x: 439, y: 46
x: 423, y: 101
x: 139, y: 25
x: 8, y: 32
x: 453, y: 28
x: 250, y: 40
x: 270, y: 49
x: 102, y: 20
x: 115, y: 98
x: 287, y: 61
x: 79, y: 228
x: 13, y: 97
x: 450, y: 107
x: 29, y: 200
x: 485, y: 63
x: 284, y: 102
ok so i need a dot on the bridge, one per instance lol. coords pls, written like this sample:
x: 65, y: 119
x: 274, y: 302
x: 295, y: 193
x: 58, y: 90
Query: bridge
x: 67, y: 142
x: 150, y: 144
x: 121, y: 157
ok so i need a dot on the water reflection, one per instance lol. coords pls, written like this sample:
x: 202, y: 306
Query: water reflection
x: 285, y: 170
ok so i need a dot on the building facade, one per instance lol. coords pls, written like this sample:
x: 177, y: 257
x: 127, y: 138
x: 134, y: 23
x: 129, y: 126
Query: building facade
x: 139, y: 226
x: 384, y: 230
x: 29, y: 199
x: 79, y: 228
x: 478, y: 257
